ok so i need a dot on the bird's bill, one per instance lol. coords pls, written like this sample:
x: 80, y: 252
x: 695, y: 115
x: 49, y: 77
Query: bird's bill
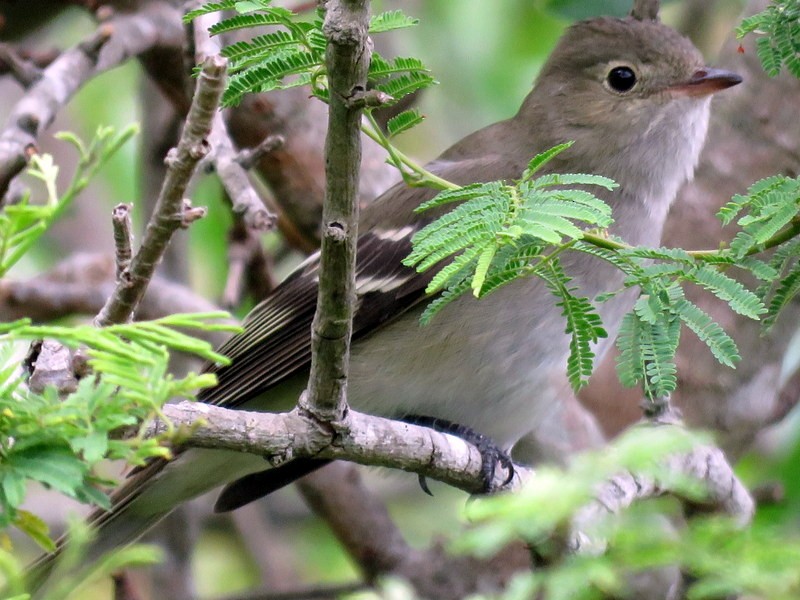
x: 706, y: 81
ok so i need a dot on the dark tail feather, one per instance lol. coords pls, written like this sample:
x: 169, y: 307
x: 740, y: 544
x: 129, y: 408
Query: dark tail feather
x: 257, y: 485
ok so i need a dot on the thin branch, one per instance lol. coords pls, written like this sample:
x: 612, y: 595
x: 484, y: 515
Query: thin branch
x: 347, y: 60
x: 246, y: 203
x: 377, y: 441
x: 24, y: 71
x: 248, y: 157
x: 126, y: 34
x: 123, y: 238
x: 171, y: 211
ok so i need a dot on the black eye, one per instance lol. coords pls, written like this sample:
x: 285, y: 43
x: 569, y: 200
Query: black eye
x: 621, y: 79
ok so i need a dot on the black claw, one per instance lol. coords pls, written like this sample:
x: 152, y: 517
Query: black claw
x: 423, y: 483
x: 491, y: 453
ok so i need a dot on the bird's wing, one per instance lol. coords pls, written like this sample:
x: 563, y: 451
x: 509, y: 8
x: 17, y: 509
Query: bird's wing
x: 276, y: 341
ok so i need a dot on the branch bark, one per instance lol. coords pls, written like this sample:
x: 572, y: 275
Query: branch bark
x: 172, y: 210
x: 347, y: 61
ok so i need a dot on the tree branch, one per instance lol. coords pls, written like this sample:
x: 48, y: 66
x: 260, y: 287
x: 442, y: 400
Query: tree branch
x: 347, y: 60
x: 124, y: 35
x: 171, y: 211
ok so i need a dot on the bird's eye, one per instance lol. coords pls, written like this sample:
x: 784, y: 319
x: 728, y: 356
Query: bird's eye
x: 621, y: 79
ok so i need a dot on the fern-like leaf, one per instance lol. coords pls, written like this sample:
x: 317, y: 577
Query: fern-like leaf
x: 210, y: 7
x: 275, y: 16
x: 405, y: 84
x: 709, y: 331
x: 403, y: 122
x: 540, y: 160
x: 390, y: 20
x: 739, y: 298
x: 583, y: 323
x: 786, y: 290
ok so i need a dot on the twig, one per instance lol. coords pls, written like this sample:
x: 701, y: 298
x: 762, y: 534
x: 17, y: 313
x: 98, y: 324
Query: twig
x: 171, y: 210
x: 24, y: 71
x: 347, y: 60
x: 123, y: 238
x: 126, y: 34
x: 244, y: 199
x: 249, y: 266
x: 248, y: 157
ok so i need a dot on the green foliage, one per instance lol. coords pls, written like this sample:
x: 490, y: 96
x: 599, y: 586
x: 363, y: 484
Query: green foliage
x: 58, y: 441
x: 294, y: 54
x: 22, y: 224
x: 583, y: 322
x: 723, y: 559
x: 779, y: 23
x: 500, y: 232
x: 70, y: 574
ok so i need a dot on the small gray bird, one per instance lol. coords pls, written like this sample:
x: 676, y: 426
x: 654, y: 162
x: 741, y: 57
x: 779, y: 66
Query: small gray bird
x: 634, y: 96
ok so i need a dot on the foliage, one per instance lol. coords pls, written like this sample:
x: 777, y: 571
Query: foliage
x: 58, y: 441
x: 71, y: 574
x: 502, y: 232
x: 524, y: 220
x: 293, y: 54
x: 779, y: 26
x: 721, y: 558
x: 23, y: 223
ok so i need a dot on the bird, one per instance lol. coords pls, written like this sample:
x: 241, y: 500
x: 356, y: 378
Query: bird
x: 634, y: 97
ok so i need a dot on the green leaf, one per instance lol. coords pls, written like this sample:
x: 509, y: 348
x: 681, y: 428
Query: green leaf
x: 389, y: 21
x: 739, y: 298
x: 482, y: 267
x: 53, y: 466
x: 209, y: 8
x: 583, y: 323
x: 541, y: 159
x: 275, y: 16
x: 408, y: 83
x: 403, y: 122
x: 720, y: 343
x: 36, y: 529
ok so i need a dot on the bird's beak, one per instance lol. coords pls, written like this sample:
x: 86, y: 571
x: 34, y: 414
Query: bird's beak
x: 706, y: 81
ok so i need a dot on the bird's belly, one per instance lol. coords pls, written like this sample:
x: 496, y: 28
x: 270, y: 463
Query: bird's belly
x: 491, y: 371
x: 499, y: 368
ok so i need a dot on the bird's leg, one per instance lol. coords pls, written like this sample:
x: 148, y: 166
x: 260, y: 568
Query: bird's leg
x: 491, y: 453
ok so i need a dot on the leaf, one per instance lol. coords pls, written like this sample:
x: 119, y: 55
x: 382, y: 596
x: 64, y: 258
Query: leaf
x: 390, y: 20
x: 406, y: 84
x: 739, y: 298
x: 403, y: 122
x: 710, y: 333
x: 209, y: 8
x: 482, y: 267
x: 541, y: 159
x: 583, y: 323
x: 36, y: 529
x: 55, y: 467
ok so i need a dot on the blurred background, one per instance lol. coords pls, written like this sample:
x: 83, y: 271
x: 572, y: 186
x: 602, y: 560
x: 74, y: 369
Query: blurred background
x: 463, y: 43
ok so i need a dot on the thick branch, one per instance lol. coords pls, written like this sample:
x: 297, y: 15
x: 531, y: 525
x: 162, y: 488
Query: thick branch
x: 172, y: 211
x: 360, y: 438
x: 347, y: 60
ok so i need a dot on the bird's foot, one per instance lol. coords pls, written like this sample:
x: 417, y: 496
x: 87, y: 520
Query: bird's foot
x: 492, y: 455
